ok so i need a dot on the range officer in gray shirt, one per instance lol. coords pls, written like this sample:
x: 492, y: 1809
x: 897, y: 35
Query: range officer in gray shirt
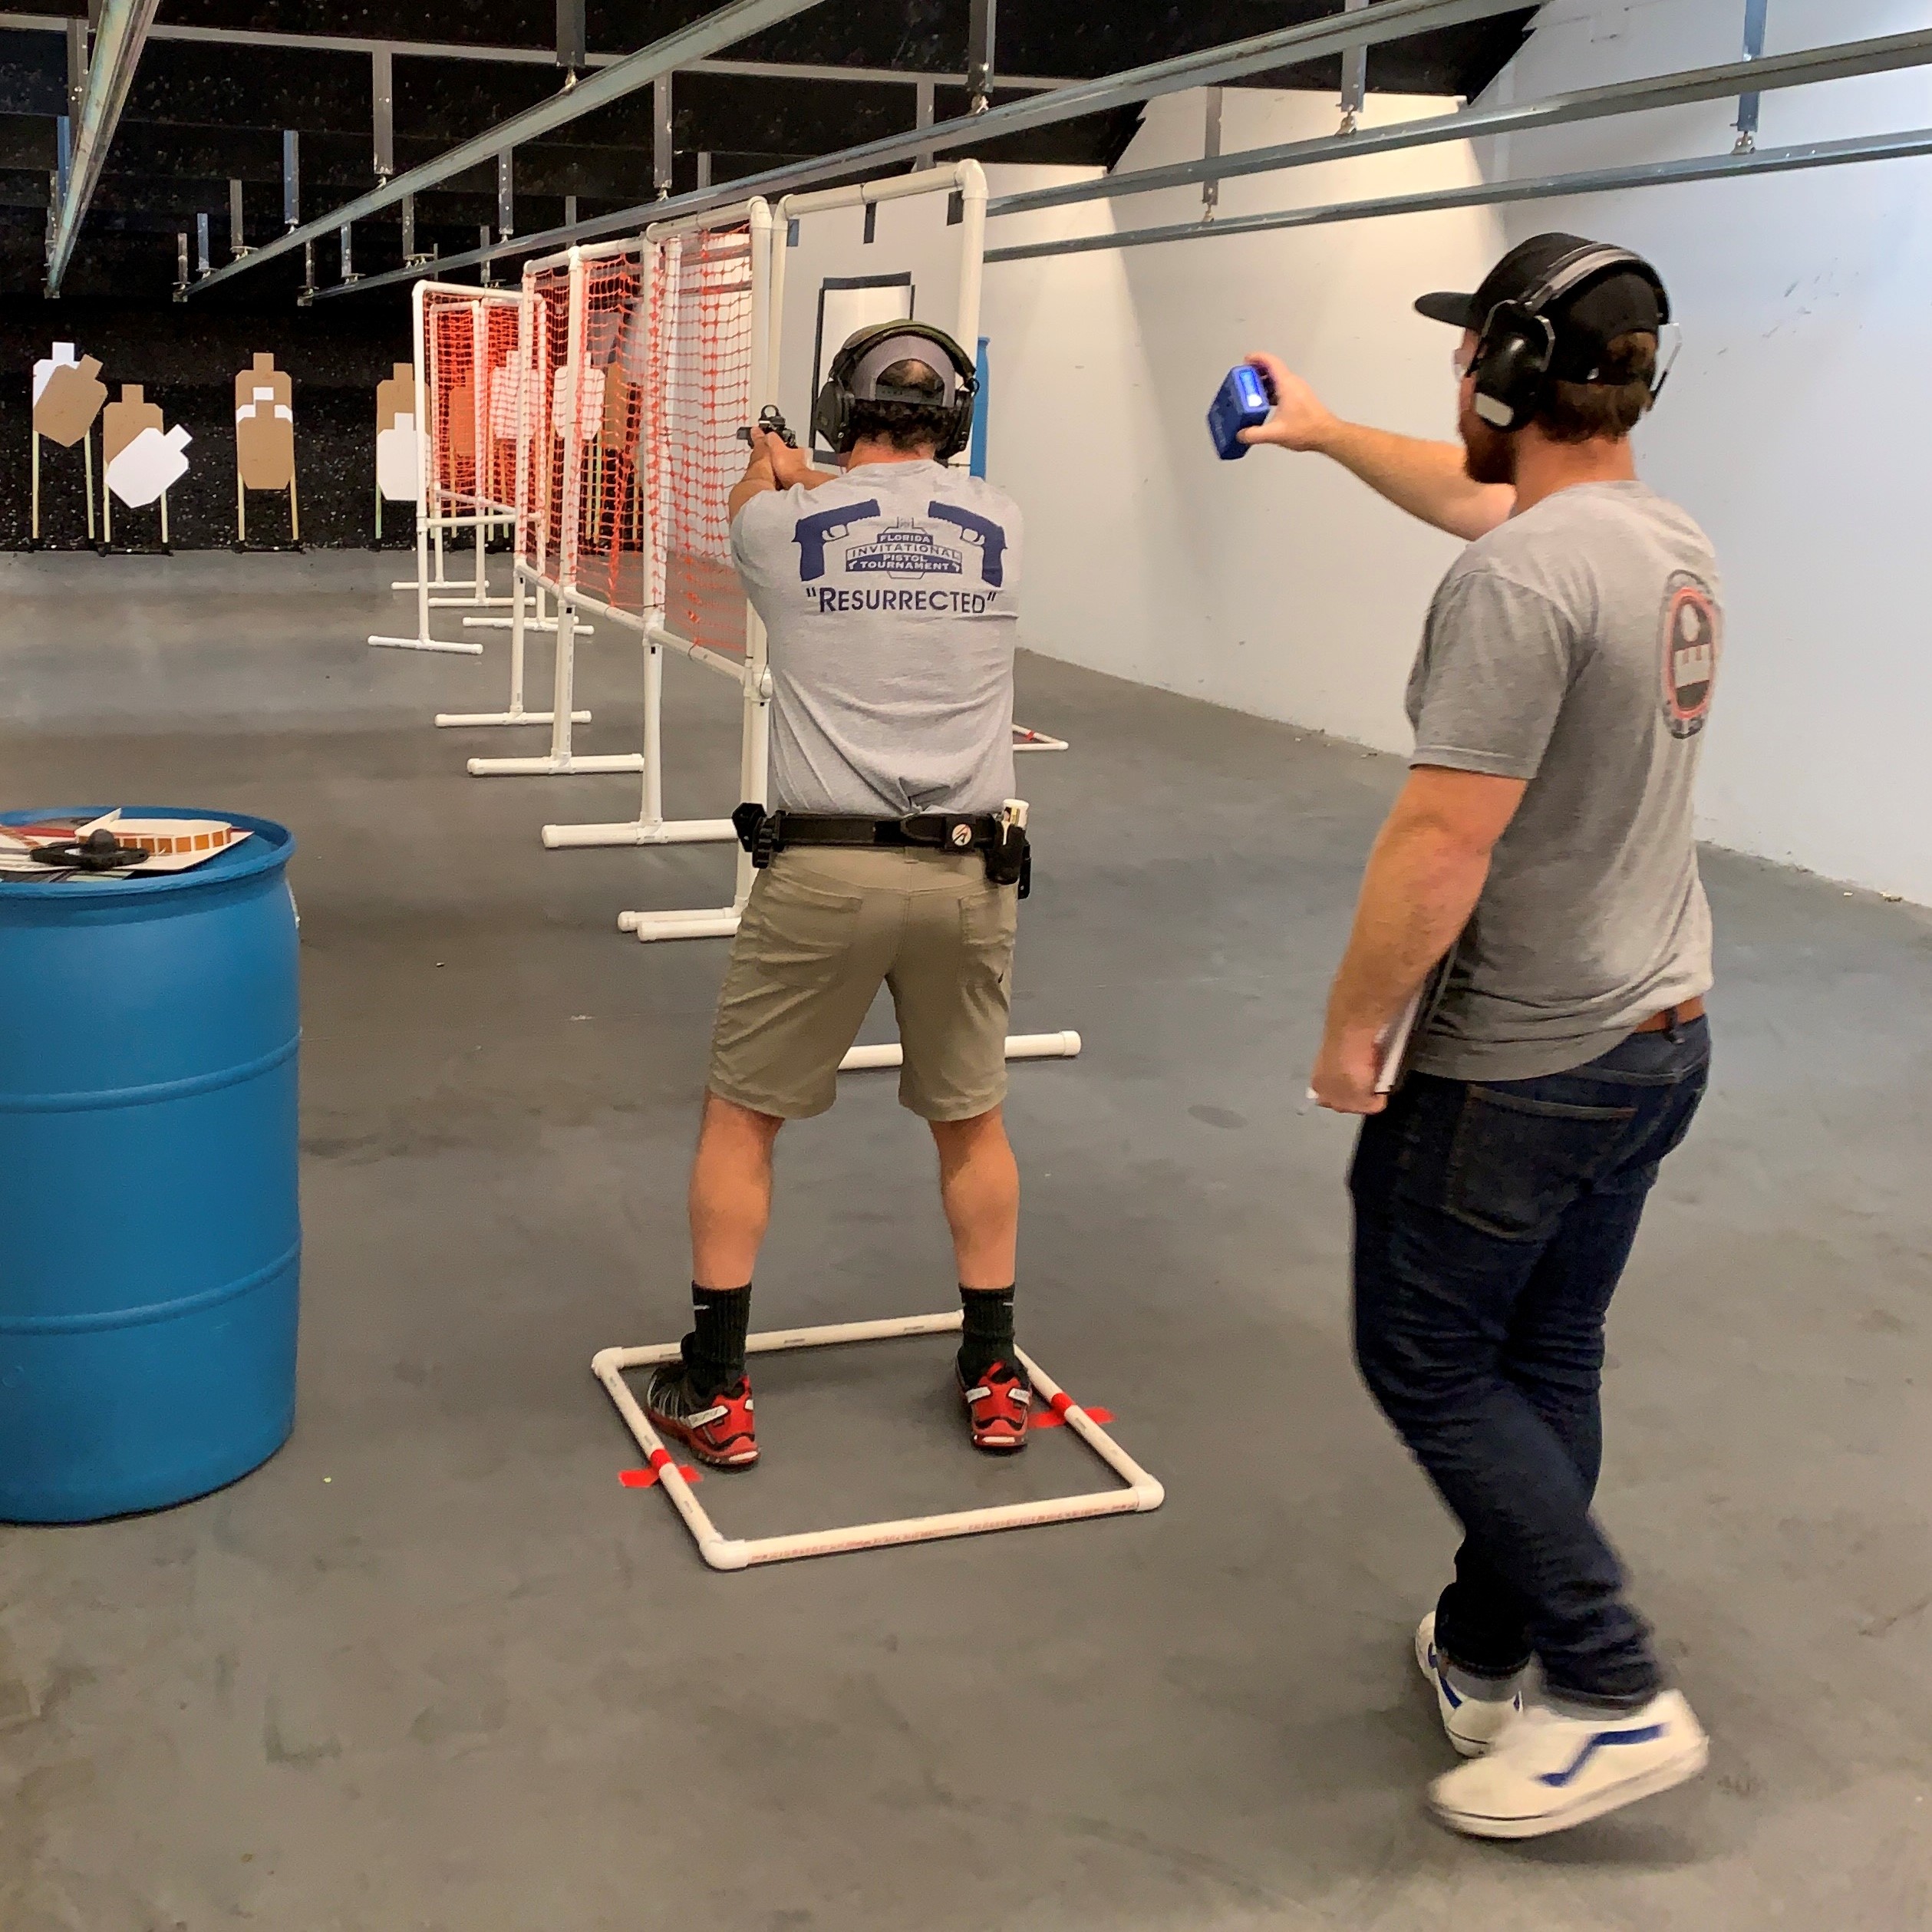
x: 1543, y: 845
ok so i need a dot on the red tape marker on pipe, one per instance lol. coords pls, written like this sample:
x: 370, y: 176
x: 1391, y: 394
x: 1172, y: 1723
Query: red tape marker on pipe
x: 648, y: 1479
x: 1057, y: 1407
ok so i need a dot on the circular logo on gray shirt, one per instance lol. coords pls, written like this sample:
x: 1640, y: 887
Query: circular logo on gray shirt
x: 1689, y: 646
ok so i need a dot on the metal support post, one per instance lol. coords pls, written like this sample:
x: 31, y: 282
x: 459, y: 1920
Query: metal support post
x: 181, y: 265
x: 570, y: 211
x: 345, y: 237
x: 76, y: 65
x: 573, y: 54
x: 1355, y: 78
x: 307, y: 294
x: 409, y: 230
x: 202, y: 262
x: 1755, y: 11
x: 703, y: 167
x: 237, y: 245
x: 485, y: 274
x: 922, y: 109
x: 1210, y: 151
x: 382, y: 111
x: 662, y: 151
x: 291, y: 178
x: 62, y: 174
x: 980, y: 36
x: 505, y: 195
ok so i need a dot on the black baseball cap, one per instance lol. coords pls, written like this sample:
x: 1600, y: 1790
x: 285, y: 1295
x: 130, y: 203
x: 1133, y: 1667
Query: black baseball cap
x: 1620, y: 302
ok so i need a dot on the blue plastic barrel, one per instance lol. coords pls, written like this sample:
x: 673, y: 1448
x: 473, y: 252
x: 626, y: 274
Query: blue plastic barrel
x: 150, y: 1236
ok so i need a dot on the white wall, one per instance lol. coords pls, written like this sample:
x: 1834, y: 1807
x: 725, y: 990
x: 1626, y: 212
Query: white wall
x: 1793, y: 426
x: 1274, y: 585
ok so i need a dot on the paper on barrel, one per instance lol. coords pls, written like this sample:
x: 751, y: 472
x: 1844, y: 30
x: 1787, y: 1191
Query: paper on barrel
x: 172, y: 844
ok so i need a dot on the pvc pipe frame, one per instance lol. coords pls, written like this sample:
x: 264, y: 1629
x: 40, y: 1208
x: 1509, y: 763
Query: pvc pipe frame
x: 1141, y: 1493
x: 752, y: 675
x: 561, y: 762
x: 483, y: 516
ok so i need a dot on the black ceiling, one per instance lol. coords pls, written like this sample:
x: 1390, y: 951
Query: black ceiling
x: 200, y: 114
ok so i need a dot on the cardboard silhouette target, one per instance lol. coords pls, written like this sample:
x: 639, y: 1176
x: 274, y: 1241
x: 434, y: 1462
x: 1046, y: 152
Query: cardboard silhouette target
x: 264, y: 439
x: 139, y: 458
x: 68, y: 399
x: 67, y: 395
x: 399, y: 448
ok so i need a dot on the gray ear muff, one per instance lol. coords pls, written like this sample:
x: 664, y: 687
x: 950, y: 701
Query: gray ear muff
x: 830, y: 413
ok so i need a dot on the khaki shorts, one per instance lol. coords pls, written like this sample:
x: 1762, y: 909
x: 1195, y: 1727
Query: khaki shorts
x: 825, y: 927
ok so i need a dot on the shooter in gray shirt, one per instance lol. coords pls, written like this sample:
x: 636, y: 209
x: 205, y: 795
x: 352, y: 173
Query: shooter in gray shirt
x: 888, y: 589
x: 1544, y: 844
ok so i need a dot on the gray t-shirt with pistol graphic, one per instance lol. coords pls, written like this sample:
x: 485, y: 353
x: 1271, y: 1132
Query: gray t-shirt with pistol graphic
x: 889, y: 596
x: 1576, y: 646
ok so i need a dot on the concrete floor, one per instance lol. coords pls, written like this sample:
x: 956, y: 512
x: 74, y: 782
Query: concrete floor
x: 433, y: 1667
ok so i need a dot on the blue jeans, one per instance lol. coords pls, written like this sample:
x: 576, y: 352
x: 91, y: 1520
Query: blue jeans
x: 1493, y: 1221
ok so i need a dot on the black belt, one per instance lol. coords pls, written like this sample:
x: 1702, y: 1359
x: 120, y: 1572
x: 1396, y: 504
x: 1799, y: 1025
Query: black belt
x: 1009, y: 857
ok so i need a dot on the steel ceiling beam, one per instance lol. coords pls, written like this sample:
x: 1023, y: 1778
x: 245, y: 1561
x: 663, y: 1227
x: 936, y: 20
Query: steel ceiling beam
x: 729, y: 24
x: 1259, y: 54
x: 1490, y: 194
x: 426, y: 50
x: 1842, y: 61
x: 117, y: 42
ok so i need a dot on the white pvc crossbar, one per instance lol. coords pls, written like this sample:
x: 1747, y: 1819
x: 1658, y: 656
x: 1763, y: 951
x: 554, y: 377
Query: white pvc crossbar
x: 721, y: 1552
x: 1019, y: 1046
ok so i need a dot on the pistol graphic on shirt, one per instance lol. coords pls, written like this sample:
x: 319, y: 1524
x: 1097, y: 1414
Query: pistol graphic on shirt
x: 813, y: 533
x: 981, y: 534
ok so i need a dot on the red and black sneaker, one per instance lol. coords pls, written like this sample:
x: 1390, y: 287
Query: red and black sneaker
x: 997, y: 1404
x: 717, y: 1429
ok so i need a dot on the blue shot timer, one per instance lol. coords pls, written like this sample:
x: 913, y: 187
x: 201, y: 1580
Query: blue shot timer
x: 1242, y: 403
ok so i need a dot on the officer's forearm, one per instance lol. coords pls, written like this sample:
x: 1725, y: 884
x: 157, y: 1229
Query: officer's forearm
x: 1426, y: 478
x: 1421, y: 886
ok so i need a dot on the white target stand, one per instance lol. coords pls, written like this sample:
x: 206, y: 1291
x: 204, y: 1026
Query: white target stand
x: 440, y: 508
x: 1141, y: 1492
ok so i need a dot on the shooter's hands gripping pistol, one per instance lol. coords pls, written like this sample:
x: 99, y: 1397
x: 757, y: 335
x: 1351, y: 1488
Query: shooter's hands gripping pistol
x: 773, y: 423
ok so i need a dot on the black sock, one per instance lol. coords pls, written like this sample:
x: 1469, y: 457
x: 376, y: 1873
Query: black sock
x: 988, y: 1333
x: 714, y: 1349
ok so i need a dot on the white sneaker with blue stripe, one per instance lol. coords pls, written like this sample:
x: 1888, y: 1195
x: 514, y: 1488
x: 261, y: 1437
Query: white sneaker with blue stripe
x: 1471, y: 1723
x: 1547, y: 1771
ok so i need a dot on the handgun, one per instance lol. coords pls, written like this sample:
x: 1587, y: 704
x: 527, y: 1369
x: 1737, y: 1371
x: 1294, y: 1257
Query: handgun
x: 982, y: 533
x: 773, y: 424
x: 813, y: 533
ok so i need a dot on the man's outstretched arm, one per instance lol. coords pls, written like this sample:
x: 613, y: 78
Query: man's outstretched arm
x: 1426, y: 478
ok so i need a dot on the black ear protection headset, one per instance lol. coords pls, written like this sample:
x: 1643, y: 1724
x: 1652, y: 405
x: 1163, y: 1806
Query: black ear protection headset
x: 1517, y: 345
x: 854, y: 378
